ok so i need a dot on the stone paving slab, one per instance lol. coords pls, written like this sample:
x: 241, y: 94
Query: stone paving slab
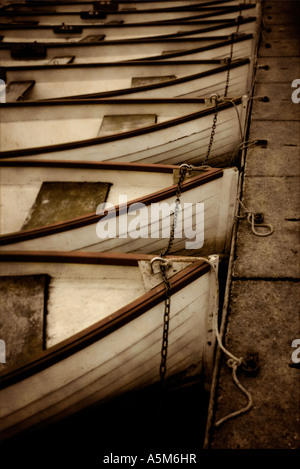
x: 264, y: 318
x: 281, y: 155
x: 274, y: 256
x: 280, y: 105
x: 281, y: 70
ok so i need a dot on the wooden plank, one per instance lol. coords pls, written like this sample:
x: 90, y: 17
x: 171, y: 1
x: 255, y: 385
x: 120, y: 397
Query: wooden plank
x: 123, y: 123
x: 173, y: 51
x: 22, y: 300
x: 143, y: 81
x: 62, y: 201
x: 93, y: 38
x: 15, y: 90
x: 63, y: 60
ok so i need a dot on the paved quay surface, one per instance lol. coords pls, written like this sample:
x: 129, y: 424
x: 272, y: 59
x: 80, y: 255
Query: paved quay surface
x: 263, y: 312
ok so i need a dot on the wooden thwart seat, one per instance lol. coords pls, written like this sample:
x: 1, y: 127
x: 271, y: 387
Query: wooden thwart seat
x: 123, y: 123
x: 16, y: 90
x: 93, y: 38
x: 143, y: 81
x: 23, y: 313
x: 63, y: 60
x: 62, y: 201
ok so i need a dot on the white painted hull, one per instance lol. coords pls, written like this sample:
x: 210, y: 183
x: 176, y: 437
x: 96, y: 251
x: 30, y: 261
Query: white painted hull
x: 144, y: 5
x: 173, y: 50
x: 210, y: 230
x: 107, y: 364
x: 112, y: 51
x: 132, y: 16
x: 180, y: 80
x: 127, y: 31
x: 181, y: 134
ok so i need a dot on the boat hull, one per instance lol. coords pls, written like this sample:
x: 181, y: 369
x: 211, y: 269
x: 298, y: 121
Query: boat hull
x: 181, y: 138
x: 110, y: 357
x: 207, y: 208
x: 138, y: 80
x: 131, y: 16
x: 128, y: 31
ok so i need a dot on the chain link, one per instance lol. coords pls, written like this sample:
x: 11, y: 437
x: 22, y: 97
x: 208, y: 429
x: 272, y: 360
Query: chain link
x: 163, y: 270
x: 229, y: 60
x: 164, y: 347
x: 214, y: 125
x: 183, y: 170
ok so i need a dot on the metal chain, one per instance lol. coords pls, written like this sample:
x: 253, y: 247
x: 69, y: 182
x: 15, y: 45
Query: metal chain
x: 164, y: 347
x: 182, y: 173
x: 163, y: 268
x: 214, y: 125
x: 229, y: 60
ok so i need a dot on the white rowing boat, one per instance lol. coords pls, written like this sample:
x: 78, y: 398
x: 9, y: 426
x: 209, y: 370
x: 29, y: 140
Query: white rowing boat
x: 91, y: 33
x: 167, y: 131
x: 235, y: 47
x: 57, y: 6
x: 98, y: 330
x: 133, y: 16
x: 131, y: 79
x: 119, y: 50
x: 59, y: 207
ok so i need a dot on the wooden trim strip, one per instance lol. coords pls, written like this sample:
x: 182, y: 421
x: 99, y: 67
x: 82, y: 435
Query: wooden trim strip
x: 106, y: 326
x: 99, y: 165
x: 109, y: 138
x: 132, y: 63
x: 147, y: 40
x: 78, y: 257
x: 210, y: 175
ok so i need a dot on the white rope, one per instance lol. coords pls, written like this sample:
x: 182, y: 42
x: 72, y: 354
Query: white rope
x: 238, y: 115
x: 233, y: 361
x: 242, y: 146
x: 251, y: 220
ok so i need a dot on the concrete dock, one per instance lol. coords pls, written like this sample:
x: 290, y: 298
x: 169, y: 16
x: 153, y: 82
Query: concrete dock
x: 263, y: 307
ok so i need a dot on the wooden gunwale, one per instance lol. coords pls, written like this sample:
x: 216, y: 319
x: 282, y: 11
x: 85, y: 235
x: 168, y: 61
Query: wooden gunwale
x: 110, y: 138
x: 78, y: 222
x: 103, y: 327
x: 147, y: 40
x: 142, y: 63
x: 156, y: 168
